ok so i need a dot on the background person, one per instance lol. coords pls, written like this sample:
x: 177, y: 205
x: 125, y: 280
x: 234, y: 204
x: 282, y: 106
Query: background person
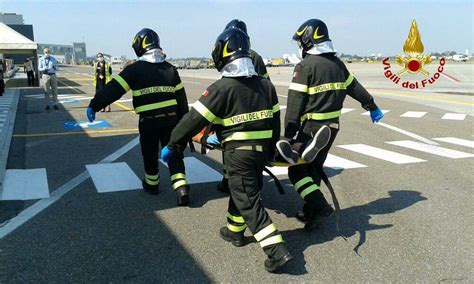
x: 48, y: 66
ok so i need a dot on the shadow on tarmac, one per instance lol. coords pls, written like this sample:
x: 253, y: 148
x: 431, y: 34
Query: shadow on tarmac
x: 353, y: 220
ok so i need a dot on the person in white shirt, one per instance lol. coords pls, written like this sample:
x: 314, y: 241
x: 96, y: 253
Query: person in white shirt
x: 48, y: 65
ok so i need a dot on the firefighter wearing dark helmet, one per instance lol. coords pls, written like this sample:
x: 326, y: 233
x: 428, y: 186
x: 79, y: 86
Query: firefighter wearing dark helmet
x: 261, y: 70
x: 315, y: 99
x: 243, y: 108
x: 160, y: 100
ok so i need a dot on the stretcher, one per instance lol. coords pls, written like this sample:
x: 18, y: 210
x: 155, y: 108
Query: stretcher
x: 201, y: 138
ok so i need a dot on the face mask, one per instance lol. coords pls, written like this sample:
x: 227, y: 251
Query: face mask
x: 46, y: 55
x: 100, y: 59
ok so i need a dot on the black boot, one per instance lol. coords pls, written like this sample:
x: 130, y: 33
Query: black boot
x: 151, y: 189
x: 314, y: 217
x: 223, y: 186
x: 182, y: 195
x: 237, y: 239
x: 274, y: 264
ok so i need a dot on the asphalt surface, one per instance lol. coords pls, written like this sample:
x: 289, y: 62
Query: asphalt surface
x: 402, y: 222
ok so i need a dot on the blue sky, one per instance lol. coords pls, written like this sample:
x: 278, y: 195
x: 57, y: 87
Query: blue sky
x: 189, y: 28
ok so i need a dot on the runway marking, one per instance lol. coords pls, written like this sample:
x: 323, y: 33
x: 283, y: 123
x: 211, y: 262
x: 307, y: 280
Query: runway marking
x: 450, y: 78
x: 30, y: 212
x: 414, y: 114
x: 346, y: 110
x: 25, y: 184
x: 432, y: 149
x: 277, y: 171
x: 456, y: 141
x: 407, y: 133
x: 113, y: 177
x: 384, y: 111
x: 122, y: 106
x: 454, y: 116
x: 339, y: 163
x: 87, y: 132
x: 199, y: 172
x: 124, y: 100
x: 381, y: 154
x: 191, y: 82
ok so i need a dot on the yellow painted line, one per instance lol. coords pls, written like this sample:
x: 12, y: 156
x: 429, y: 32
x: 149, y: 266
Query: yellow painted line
x: 129, y: 130
x: 70, y: 87
x: 122, y: 106
x: 383, y: 92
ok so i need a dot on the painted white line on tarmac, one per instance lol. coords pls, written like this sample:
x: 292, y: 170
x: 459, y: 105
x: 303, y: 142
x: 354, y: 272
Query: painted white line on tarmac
x: 112, y: 177
x: 432, y: 149
x: 277, y: 171
x: 198, y: 172
x: 407, y: 133
x: 454, y: 116
x: 39, y: 206
x: 339, y: 163
x: 414, y: 114
x: 381, y: 154
x: 457, y: 141
x: 384, y: 111
x: 346, y: 110
x: 191, y: 82
x: 25, y: 184
x: 124, y: 100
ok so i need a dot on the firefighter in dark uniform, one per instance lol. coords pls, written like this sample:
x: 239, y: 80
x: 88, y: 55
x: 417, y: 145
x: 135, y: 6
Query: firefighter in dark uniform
x: 160, y: 100
x: 315, y: 99
x: 261, y: 70
x: 243, y: 108
x: 102, y: 75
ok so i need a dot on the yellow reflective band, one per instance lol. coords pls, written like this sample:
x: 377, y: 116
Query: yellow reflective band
x: 179, y: 183
x: 250, y: 135
x: 236, y: 219
x: 152, y: 177
x: 303, y: 182
x: 327, y: 87
x: 226, y: 176
x: 276, y: 108
x: 177, y: 176
x: 265, y: 232
x: 298, y: 87
x: 349, y: 80
x: 321, y: 116
x: 122, y: 82
x: 307, y: 191
x: 179, y: 86
x: 236, y: 229
x: 246, y: 117
x: 271, y: 241
x: 152, y: 182
x: 204, y: 111
x: 154, y: 89
x: 156, y: 105
x: 265, y: 76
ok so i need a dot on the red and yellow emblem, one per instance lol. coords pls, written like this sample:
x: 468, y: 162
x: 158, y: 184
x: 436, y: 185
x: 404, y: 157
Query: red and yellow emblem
x: 413, y: 48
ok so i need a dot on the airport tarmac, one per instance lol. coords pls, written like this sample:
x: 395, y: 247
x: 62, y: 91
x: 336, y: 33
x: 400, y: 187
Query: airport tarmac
x: 404, y: 185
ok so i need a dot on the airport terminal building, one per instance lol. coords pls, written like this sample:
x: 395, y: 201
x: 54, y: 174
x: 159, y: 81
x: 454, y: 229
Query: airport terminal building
x: 66, y: 54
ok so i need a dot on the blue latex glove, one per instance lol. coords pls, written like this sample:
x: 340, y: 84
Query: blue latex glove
x: 166, y: 153
x: 213, y: 140
x: 90, y: 114
x: 376, y: 115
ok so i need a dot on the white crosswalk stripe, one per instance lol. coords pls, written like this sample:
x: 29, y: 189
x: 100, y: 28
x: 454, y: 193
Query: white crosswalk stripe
x: 25, y: 184
x: 199, y: 172
x: 457, y: 141
x: 346, y: 110
x: 381, y: 154
x: 414, y: 114
x: 432, y: 149
x: 384, y: 111
x: 454, y: 116
x: 110, y: 177
x: 339, y: 163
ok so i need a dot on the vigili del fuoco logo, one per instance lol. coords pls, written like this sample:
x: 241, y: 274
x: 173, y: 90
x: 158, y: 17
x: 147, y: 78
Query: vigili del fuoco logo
x: 413, y: 62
